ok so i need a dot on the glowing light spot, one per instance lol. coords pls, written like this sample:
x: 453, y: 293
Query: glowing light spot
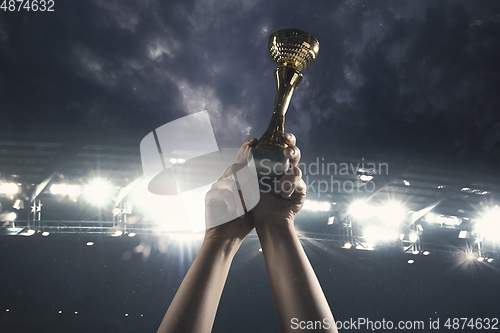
x: 413, y: 237
x: 365, y: 178
x: 9, y: 188
x: 12, y: 216
x: 415, y: 252
x: 65, y: 189
x: 188, y: 238
x: 31, y: 232
x: 45, y: 233
x: 393, y: 213
x: 379, y: 235
x: 430, y: 218
x: 411, y: 261
x: 98, y: 192
x: 359, y: 209
x: 490, y: 260
x: 426, y: 253
x: 131, y: 234
x: 488, y: 227
x: 318, y: 206
x: 90, y: 243
x: 347, y: 245
x: 480, y: 259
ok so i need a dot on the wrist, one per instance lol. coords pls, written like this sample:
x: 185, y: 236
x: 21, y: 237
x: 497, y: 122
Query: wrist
x: 226, y: 247
x: 274, y: 225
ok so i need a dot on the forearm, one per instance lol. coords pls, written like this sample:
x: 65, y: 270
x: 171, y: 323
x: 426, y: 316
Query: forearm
x: 195, y: 304
x: 296, y: 290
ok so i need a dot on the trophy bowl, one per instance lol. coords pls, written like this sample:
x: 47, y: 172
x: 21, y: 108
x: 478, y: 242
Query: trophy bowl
x: 293, y: 48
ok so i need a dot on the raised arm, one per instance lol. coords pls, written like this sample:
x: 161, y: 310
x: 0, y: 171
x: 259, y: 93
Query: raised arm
x: 297, y: 294
x: 195, y: 304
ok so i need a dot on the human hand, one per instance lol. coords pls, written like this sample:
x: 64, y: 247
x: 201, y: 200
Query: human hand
x: 223, y: 203
x: 284, y: 198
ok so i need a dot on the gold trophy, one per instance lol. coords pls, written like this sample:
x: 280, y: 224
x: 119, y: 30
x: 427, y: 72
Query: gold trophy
x: 292, y: 51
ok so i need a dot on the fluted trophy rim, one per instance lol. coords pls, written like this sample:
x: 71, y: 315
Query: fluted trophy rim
x: 293, y: 48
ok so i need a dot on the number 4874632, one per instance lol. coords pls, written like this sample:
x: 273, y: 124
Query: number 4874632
x: 27, y: 5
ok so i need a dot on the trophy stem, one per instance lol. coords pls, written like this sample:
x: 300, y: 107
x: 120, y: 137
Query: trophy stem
x: 287, y: 80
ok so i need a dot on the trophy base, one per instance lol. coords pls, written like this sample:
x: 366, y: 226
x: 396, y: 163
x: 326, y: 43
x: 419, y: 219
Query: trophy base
x: 269, y: 163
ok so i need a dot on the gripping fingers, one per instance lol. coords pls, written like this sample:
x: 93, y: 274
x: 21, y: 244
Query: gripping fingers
x: 292, y: 152
x: 299, y: 194
x: 289, y: 139
x: 288, y: 182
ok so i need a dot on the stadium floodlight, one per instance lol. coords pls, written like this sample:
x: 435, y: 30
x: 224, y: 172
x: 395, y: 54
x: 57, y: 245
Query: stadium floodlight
x: 448, y: 220
x: 488, y: 227
x: 375, y: 235
x: 98, y: 191
x: 365, y: 178
x: 360, y: 209
x: 442, y: 219
x: 392, y: 213
x: 66, y: 189
x: 11, y: 216
x: 9, y: 188
x: 317, y: 206
x: 430, y: 218
x: 18, y: 204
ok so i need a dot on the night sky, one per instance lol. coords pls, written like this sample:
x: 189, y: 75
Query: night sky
x: 406, y: 79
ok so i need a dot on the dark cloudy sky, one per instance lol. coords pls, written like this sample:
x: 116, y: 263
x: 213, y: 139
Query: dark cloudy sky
x: 413, y: 77
x: 418, y: 79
